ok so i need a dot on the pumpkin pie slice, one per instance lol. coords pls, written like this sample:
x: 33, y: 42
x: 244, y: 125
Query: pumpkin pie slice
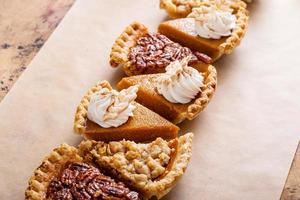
x: 66, y: 175
x: 201, y: 31
x: 142, y: 125
x: 152, y: 169
x: 139, y: 51
x: 148, y: 95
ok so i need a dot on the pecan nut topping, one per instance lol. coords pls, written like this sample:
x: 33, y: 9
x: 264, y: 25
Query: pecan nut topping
x: 155, y: 50
x: 80, y: 181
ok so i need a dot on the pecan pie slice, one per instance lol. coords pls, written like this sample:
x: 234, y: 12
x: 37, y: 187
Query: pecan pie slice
x: 142, y: 52
x: 152, y: 169
x: 143, y: 125
x: 66, y: 175
x: 201, y: 21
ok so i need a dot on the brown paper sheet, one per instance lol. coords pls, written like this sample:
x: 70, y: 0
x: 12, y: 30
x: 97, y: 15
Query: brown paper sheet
x: 245, y: 139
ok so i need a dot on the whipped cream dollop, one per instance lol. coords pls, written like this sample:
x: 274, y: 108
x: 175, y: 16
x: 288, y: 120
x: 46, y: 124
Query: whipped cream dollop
x: 180, y: 83
x: 110, y: 108
x: 213, y: 22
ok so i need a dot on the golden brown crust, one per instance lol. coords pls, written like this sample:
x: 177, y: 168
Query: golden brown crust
x: 160, y: 187
x: 180, y: 163
x: 81, y: 111
x: 50, y: 167
x: 208, y: 90
x: 123, y: 44
x: 190, y: 111
x: 55, y: 161
x: 181, y: 8
x: 237, y: 35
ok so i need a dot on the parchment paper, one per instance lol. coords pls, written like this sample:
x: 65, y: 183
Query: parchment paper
x: 245, y: 139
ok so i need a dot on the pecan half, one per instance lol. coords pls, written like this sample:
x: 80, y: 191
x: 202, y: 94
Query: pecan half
x: 80, y: 181
x: 155, y: 50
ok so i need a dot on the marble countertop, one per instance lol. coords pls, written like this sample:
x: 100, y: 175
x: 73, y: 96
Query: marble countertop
x: 25, y: 26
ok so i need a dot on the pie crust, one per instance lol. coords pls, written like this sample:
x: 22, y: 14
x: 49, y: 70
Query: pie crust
x: 176, y: 113
x: 120, y: 52
x: 144, y: 125
x: 81, y: 112
x: 121, y: 48
x: 181, y: 8
x: 118, y: 165
x: 50, y: 168
x: 214, y: 48
x: 54, y: 165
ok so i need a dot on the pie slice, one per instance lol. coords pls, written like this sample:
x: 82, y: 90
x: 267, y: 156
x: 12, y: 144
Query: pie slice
x: 144, y: 125
x: 66, y: 175
x: 151, y: 169
x: 142, y: 52
x: 149, y: 97
x: 181, y: 8
x: 184, y: 31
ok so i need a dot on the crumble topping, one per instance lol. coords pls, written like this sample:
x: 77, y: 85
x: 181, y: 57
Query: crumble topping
x: 139, y: 162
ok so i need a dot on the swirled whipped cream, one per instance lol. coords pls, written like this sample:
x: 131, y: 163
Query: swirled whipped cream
x: 180, y: 83
x: 110, y: 108
x: 213, y: 22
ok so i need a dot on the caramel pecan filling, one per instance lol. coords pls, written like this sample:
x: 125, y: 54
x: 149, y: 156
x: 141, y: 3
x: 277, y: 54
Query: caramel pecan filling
x: 155, y: 50
x: 80, y: 181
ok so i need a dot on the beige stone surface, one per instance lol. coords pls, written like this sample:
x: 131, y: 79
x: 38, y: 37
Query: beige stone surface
x: 292, y: 188
x: 244, y: 141
x: 25, y: 26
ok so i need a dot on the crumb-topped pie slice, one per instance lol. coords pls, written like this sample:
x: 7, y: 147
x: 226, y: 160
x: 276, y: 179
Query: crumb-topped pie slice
x: 152, y: 169
x: 212, y: 28
x: 181, y: 8
x: 142, y: 52
x: 105, y: 114
x: 180, y: 93
x: 66, y: 175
